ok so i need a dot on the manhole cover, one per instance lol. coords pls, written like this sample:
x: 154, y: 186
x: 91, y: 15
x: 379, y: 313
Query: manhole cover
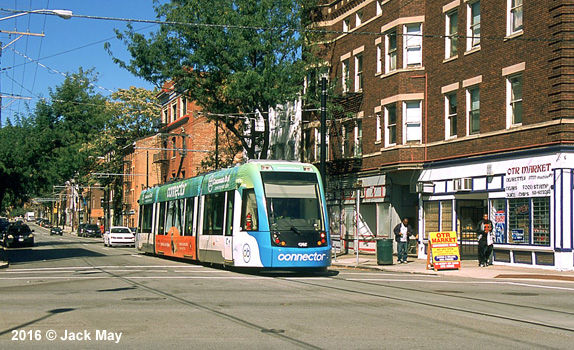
x: 143, y: 299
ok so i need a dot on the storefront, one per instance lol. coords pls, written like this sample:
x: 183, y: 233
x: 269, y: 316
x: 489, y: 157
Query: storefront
x: 527, y: 196
x: 382, y: 200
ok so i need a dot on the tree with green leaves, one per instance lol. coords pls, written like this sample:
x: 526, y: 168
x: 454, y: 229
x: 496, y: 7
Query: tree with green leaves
x: 236, y: 58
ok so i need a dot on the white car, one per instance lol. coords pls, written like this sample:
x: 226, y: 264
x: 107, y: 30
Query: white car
x: 119, y: 236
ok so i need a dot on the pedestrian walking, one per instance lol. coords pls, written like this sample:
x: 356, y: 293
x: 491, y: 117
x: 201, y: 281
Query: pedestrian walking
x: 402, y: 232
x: 483, y: 232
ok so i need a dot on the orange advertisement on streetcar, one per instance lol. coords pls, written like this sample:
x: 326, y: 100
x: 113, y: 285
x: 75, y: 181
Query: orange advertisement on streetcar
x: 176, y: 245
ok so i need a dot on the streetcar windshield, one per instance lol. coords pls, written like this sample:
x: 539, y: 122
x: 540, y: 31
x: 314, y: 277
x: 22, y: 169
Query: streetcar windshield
x: 293, y: 201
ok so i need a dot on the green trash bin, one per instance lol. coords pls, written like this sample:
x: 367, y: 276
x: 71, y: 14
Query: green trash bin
x: 384, y: 251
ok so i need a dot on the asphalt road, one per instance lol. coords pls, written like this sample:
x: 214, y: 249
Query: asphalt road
x: 74, y: 293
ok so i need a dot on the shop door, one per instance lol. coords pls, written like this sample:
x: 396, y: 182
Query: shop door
x: 469, y: 213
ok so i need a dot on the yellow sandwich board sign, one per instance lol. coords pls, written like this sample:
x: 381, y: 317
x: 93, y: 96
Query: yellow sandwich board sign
x: 443, y: 251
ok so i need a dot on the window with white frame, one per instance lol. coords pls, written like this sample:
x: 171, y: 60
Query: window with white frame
x: 346, y: 79
x: 391, y: 125
x: 165, y: 115
x: 515, y: 17
x: 413, y: 45
x: 379, y: 128
x: 451, y: 34
x: 174, y: 115
x: 317, y: 144
x: 391, y: 51
x: 473, y: 110
x: 358, y: 149
x: 379, y: 59
x: 359, y: 73
x: 473, y: 25
x: 346, y: 24
x: 450, y: 115
x: 380, y: 7
x: 183, y: 100
x: 514, y: 97
x: 358, y: 18
x: 412, y: 117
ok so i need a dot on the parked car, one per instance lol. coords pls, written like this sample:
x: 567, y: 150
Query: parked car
x: 91, y: 230
x: 55, y: 230
x: 119, y: 236
x: 4, y: 223
x: 18, y: 235
x: 81, y: 231
x: 46, y: 223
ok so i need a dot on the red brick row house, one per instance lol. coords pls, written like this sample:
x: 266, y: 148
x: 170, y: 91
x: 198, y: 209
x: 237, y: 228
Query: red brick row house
x: 453, y: 109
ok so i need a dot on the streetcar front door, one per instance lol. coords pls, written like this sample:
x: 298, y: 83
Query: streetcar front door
x: 212, y: 240
x: 231, y: 197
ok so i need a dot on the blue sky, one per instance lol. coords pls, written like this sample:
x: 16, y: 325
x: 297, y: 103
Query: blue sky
x: 31, y: 65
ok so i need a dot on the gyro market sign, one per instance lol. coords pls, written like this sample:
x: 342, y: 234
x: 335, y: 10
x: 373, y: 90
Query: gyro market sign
x: 530, y: 179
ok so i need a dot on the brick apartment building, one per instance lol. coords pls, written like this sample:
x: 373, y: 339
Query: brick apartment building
x: 452, y: 109
x: 186, y: 138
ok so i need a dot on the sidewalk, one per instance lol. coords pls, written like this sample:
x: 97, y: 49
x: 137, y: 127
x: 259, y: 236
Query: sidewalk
x: 469, y: 269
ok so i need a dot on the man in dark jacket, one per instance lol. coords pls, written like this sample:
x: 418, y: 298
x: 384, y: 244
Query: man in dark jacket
x: 483, y: 229
x: 402, y: 233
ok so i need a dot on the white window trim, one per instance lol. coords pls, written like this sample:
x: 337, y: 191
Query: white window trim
x: 509, y: 114
x: 418, y: 45
x: 379, y: 129
x: 345, y: 71
x: 379, y: 58
x: 346, y: 24
x: 509, y: 19
x: 407, y: 123
x: 359, y: 74
x: 448, y: 39
x: 387, y: 134
x: 468, y: 106
x: 359, y: 18
x: 447, y: 135
x: 469, y: 35
x: 388, y: 53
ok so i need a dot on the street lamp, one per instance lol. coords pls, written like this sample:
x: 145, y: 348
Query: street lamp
x: 65, y: 14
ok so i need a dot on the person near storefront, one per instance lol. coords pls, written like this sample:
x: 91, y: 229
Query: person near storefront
x: 402, y: 233
x: 483, y: 232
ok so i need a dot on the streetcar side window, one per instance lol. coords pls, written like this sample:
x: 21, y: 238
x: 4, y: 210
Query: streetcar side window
x: 189, y: 217
x: 145, y: 218
x: 214, y: 209
x: 174, y: 215
x: 249, y: 217
x: 161, y: 219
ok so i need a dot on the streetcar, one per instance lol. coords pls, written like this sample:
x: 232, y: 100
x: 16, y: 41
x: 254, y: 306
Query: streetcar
x: 261, y: 214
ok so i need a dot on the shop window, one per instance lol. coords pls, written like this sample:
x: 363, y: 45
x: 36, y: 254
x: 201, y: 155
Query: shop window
x: 498, y: 218
x: 431, y: 210
x: 541, y: 220
x: 446, y: 216
x: 519, y: 221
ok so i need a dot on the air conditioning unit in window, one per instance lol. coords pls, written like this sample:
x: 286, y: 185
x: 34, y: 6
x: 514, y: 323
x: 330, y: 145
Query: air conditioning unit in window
x: 463, y: 184
x: 425, y: 187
